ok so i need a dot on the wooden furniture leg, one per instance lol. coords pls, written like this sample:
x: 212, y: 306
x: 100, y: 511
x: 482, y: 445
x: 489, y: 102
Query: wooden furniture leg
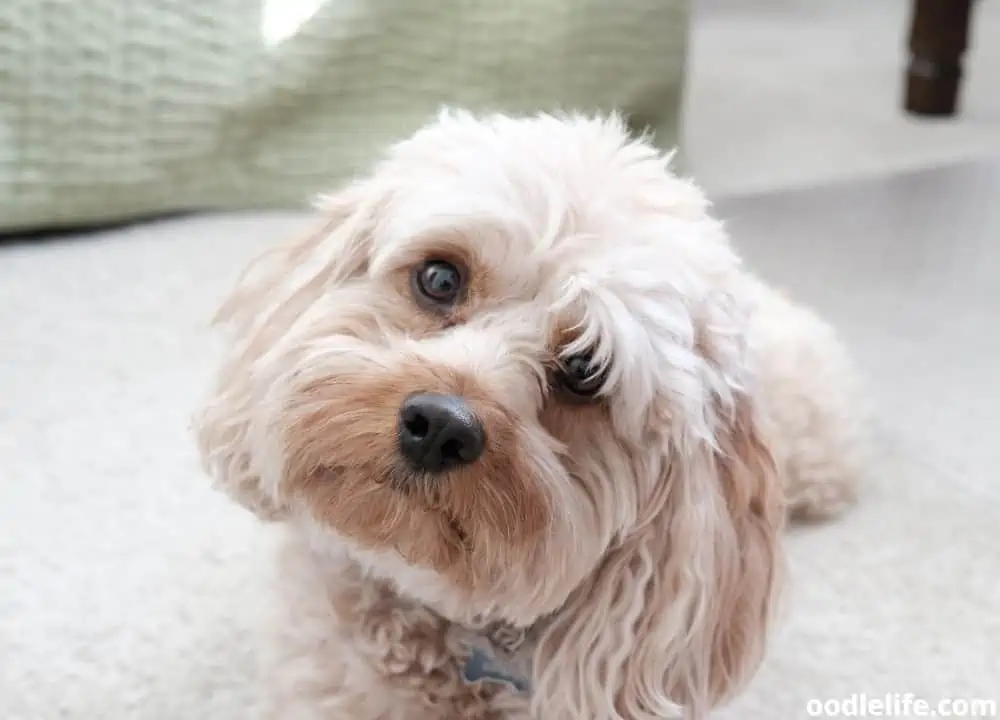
x: 939, y: 37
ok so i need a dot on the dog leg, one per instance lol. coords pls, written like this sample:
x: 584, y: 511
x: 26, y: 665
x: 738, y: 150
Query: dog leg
x: 814, y: 404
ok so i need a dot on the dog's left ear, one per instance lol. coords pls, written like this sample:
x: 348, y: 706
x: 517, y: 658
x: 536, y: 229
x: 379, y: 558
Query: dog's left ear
x: 675, y: 618
x: 275, y: 290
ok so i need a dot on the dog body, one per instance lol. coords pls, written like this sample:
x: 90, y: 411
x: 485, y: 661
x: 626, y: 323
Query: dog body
x: 518, y: 384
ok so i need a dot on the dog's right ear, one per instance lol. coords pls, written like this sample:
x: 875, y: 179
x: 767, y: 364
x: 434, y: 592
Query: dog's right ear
x: 274, y: 290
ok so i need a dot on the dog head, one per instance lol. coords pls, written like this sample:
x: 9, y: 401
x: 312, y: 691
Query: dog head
x: 507, y: 373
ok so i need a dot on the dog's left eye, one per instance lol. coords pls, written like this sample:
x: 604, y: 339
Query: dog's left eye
x: 578, y: 375
x: 438, y: 281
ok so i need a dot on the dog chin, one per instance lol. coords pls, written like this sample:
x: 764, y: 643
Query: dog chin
x: 422, y: 586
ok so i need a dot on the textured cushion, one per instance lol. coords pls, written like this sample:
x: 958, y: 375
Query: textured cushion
x: 111, y: 109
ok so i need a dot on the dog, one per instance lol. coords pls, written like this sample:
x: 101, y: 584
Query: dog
x: 529, y: 432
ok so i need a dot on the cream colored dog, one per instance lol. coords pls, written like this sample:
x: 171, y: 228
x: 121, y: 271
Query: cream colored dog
x: 531, y: 432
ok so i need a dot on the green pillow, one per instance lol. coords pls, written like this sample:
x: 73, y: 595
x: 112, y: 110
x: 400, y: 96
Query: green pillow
x: 111, y: 110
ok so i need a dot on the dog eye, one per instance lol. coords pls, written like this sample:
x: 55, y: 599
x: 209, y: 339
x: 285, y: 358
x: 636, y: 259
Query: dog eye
x: 438, y: 281
x: 578, y: 376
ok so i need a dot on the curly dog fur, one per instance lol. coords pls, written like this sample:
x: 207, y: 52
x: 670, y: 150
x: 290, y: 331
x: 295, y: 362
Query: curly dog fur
x: 632, y: 535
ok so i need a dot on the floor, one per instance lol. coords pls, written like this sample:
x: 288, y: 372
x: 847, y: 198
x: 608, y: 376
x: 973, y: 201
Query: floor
x: 784, y: 93
x: 128, y: 586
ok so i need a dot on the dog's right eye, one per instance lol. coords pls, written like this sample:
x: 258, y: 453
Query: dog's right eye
x: 438, y: 282
x: 579, y: 377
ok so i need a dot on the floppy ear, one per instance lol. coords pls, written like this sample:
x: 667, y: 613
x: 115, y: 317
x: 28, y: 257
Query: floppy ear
x: 675, y: 618
x: 274, y: 290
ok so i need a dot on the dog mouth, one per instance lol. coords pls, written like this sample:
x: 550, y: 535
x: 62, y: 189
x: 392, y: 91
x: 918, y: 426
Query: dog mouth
x: 420, y: 486
x: 458, y: 532
x: 427, y: 491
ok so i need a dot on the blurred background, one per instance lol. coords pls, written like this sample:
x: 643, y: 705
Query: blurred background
x: 115, y: 111
x: 785, y: 93
x: 149, y: 149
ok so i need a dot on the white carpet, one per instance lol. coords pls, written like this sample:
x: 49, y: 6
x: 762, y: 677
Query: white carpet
x: 126, y: 583
x: 127, y: 586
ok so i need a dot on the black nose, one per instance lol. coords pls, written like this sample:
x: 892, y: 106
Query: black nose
x: 439, y: 432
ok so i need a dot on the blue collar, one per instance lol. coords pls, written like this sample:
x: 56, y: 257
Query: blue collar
x: 483, y: 667
x: 501, y: 653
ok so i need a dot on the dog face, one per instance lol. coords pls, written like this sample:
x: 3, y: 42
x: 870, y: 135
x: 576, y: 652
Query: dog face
x: 508, y: 375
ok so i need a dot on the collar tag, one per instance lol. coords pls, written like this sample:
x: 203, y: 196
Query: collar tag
x: 482, y: 666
